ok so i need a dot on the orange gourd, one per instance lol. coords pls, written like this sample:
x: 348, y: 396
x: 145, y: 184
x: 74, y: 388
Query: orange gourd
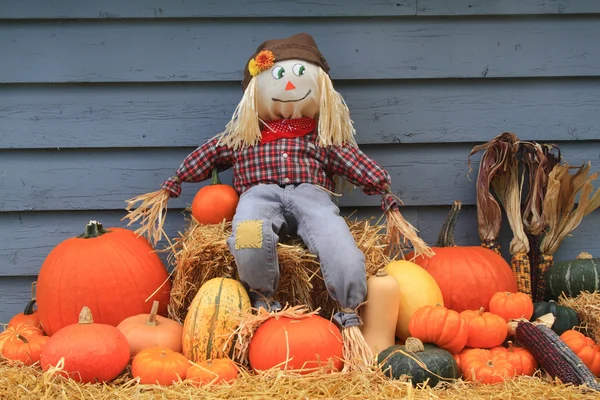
x: 520, y: 357
x: 159, y: 365
x: 511, y: 305
x: 90, y: 352
x: 484, y: 366
x: 380, y: 313
x: 29, y: 316
x: 585, y: 348
x: 144, y: 331
x: 468, y: 276
x: 212, y: 371
x: 303, y: 345
x: 22, y: 343
x: 440, y: 326
x: 486, y: 330
x: 113, y: 271
x: 215, y: 202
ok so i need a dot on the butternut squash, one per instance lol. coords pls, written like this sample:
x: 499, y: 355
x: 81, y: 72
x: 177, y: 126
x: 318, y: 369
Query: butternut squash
x: 380, y: 313
x: 213, y: 315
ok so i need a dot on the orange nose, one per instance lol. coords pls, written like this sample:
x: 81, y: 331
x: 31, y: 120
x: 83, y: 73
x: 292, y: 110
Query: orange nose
x: 290, y: 86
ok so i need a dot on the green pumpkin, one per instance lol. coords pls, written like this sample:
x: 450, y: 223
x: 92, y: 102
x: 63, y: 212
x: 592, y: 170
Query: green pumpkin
x: 566, y: 318
x: 396, y: 361
x: 573, y: 276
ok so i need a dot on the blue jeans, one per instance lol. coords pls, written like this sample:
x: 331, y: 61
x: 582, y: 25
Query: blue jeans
x: 267, y: 211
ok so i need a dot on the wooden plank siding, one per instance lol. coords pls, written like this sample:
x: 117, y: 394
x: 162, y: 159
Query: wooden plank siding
x: 101, y: 101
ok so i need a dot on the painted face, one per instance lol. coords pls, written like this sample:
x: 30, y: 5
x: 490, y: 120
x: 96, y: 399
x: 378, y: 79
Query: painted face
x: 288, y: 90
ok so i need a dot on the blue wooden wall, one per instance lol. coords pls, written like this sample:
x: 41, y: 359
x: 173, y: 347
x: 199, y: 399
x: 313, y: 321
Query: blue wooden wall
x: 101, y: 100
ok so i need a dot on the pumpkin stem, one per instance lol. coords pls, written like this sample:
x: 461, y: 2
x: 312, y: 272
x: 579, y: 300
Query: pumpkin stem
x: 446, y: 236
x: 511, y: 347
x: 584, y: 256
x: 489, y: 363
x: 163, y: 353
x: 152, y: 317
x: 29, y: 307
x: 85, y: 316
x: 92, y: 230
x: 481, y: 311
x: 215, y: 177
x: 22, y: 338
x: 381, y: 272
x: 413, y: 345
x: 209, y: 362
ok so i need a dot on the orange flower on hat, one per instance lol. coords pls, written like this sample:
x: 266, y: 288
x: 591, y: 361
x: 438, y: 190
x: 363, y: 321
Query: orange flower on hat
x: 263, y: 61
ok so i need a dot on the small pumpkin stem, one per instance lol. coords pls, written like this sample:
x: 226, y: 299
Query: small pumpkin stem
x: 85, y: 316
x: 438, y: 305
x: 209, y: 362
x: 163, y: 353
x: 446, y: 236
x: 215, y: 177
x: 481, y: 311
x: 29, y: 307
x: 489, y: 363
x: 92, y: 230
x: 413, y: 345
x: 22, y: 338
x: 152, y: 317
x: 381, y: 272
x: 511, y: 347
x: 584, y: 256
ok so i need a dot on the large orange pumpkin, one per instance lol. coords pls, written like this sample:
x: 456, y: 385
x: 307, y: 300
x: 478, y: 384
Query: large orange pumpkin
x: 215, y: 202
x: 468, y: 276
x: 303, y: 345
x: 113, y: 271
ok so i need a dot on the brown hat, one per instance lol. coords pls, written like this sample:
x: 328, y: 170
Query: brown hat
x: 300, y: 46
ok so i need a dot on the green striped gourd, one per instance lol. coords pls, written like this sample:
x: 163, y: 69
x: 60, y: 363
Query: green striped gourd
x: 214, y: 314
x: 573, y: 276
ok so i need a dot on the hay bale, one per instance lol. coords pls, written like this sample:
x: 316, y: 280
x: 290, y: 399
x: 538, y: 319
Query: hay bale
x: 587, y: 307
x: 201, y: 253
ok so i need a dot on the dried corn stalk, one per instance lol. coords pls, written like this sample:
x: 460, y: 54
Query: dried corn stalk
x: 493, y: 165
x: 560, y: 212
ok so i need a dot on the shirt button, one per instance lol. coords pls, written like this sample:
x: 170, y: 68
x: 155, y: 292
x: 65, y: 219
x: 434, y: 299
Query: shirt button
x: 284, y: 155
x: 287, y: 180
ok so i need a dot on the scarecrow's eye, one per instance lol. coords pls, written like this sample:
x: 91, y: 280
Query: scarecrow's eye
x: 299, y: 69
x: 278, y: 72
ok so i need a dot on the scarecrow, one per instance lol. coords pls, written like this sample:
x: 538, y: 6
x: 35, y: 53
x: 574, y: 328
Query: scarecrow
x: 289, y: 140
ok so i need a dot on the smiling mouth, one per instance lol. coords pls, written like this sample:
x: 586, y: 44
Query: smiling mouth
x: 292, y: 101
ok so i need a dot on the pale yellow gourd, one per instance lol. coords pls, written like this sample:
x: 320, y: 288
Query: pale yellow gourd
x: 380, y: 313
x: 417, y: 289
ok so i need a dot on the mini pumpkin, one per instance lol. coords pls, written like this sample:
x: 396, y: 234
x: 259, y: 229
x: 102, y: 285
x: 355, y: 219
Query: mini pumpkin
x: 29, y: 316
x: 207, y: 372
x: 421, y: 362
x: 585, y: 348
x: 520, y: 357
x: 440, y: 326
x: 22, y: 343
x: 510, y: 305
x: 566, y: 318
x: 486, y: 330
x: 485, y: 366
x: 144, y: 331
x: 91, y: 352
x: 215, y: 203
x: 159, y: 365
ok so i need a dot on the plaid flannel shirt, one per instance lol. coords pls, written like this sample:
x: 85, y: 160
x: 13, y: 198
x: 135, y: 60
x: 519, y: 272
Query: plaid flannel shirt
x: 285, y: 161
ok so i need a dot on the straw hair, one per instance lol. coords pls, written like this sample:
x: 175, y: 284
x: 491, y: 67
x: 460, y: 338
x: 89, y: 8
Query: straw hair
x: 400, y: 234
x: 335, y: 126
x: 152, y: 213
x: 243, y: 129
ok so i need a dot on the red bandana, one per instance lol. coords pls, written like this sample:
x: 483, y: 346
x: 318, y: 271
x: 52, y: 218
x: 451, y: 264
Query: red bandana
x: 287, y: 128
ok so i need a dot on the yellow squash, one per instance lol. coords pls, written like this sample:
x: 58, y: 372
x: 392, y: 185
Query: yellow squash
x: 417, y: 289
x: 213, y: 316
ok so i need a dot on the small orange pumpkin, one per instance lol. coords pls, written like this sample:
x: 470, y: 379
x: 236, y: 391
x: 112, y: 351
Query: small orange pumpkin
x: 510, y: 305
x: 159, y: 365
x: 29, y: 316
x: 22, y: 343
x: 520, y: 357
x: 150, y: 330
x: 212, y: 371
x: 215, y: 202
x: 486, y: 330
x: 438, y: 325
x: 585, y: 348
x: 484, y: 366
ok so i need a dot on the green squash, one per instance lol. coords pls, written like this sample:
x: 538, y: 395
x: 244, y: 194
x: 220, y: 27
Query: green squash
x: 396, y: 361
x: 573, y: 277
x: 566, y: 318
